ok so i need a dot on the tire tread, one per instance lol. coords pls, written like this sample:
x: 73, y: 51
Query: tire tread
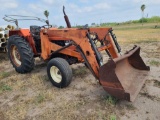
x: 25, y: 51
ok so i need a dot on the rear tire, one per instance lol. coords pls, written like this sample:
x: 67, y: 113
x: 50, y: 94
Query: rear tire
x: 59, y: 72
x: 20, y: 54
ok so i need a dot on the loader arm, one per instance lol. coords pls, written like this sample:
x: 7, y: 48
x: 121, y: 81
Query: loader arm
x: 83, y: 49
x: 103, y: 33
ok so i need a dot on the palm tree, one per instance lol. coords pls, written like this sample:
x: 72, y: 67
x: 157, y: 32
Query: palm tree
x: 142, y: 9
x: 46, y: 13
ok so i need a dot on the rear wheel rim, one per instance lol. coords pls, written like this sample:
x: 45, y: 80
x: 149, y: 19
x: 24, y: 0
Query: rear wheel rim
x: 15, y: 56
x: 55, y: 74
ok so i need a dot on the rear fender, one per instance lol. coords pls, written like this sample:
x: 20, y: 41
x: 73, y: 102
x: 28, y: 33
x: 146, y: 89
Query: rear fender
x: 25, y: 33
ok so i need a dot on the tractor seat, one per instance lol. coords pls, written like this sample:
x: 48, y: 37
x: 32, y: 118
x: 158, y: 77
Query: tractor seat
x: 35, y: 31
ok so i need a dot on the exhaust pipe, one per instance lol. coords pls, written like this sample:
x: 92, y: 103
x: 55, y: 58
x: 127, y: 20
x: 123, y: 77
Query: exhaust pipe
x: 66, y: 18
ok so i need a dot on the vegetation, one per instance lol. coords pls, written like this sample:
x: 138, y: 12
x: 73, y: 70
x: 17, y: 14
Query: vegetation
x: 157, y: 83
x: 130, y: 107
x: 112, y: 117
x: 4, y: 87
x: 4, y: 74
x: 60, y: 27
x: 46, y: 13
x: 111, y: 100
x: 40, y: 98
x: 154, y: 19
x: 142, y: 9
x: 146, y: 94
x: 80, y: 72
x: 154, y: 63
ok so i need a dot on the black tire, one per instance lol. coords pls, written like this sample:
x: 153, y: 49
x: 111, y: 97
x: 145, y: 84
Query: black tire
x: 20, y: 54
x: 59, y: 72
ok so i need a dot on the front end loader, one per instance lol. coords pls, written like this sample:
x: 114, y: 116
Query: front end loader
x: 122, y: 76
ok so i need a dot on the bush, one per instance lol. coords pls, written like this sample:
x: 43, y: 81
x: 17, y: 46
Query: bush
x: 144, y: 20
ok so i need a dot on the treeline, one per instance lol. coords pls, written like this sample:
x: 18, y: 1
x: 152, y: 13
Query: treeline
x: 154, y: 19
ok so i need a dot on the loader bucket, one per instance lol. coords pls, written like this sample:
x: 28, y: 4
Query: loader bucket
x: 123, y: 77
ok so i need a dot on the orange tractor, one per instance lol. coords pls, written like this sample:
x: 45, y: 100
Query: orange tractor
x: 122, y: 76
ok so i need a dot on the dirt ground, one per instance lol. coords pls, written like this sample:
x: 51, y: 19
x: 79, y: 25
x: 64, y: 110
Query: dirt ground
x: 32, y: 97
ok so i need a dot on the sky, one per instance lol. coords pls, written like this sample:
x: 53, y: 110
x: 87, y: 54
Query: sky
x: 80, y: 12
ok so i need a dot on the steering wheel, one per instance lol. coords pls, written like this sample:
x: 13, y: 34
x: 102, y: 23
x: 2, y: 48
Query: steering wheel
x: 44, y: 26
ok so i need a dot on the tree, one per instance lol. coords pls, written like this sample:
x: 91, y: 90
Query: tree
x: 46, y: 13
x: 142, y: 9
x: 60, y: 27
x: 93, y: 24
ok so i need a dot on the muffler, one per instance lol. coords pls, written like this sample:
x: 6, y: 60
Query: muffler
x: 123, y: 77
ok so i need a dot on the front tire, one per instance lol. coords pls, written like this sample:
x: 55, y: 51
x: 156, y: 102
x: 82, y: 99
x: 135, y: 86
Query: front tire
x: 20, y: 54
x: 59, y: 72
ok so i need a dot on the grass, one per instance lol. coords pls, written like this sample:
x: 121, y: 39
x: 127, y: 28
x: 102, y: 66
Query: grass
x: 148, y: 95
x: 136, y: 34
x: 4, y: 75
x: 44, y: 77
x: 44, y: 96
x: 17, y: 112
x: 153, y: 19
x: 3, y: 56
x: 40, y: 98
x: 130, y: 107
x: 4, y: 87
x: 157, y: 83
x: 81, y: 71
x: 112, y: 117
x: 111, y: 100
x: 154, y: 63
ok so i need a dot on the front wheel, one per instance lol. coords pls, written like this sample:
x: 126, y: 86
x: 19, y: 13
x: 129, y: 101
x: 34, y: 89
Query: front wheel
x: 59, y: 72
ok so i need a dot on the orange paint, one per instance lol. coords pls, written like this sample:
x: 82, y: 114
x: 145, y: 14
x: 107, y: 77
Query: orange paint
x: 77, y: 37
